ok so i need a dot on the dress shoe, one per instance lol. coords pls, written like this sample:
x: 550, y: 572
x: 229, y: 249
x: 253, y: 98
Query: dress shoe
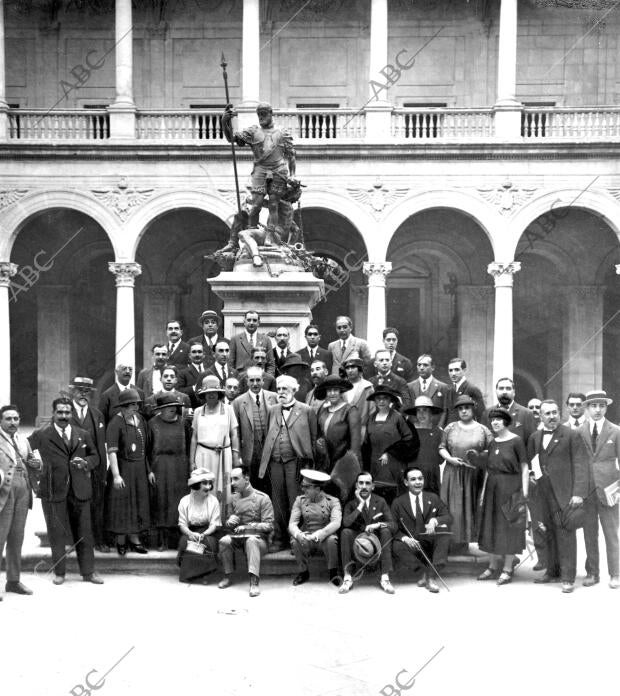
x: 546, y: 578
x: 591, y: 580
x: 387, y: 586
x: 254, y: 588
x: 422, y: 581
x: 539, y: 566
x: 94, y: 578
x: 224, y: 582
x: 505, y: 577
x: 122, y: 549
x: 568, y: 587
x: 102, y: 548
x: 138, y: 548
x: 300, y: 578
x: 18, y: 588
x: 58, y: 579
x: 489, y: 574
x: 614, y: 582
x: 432, y: 586
x: 346, y: 586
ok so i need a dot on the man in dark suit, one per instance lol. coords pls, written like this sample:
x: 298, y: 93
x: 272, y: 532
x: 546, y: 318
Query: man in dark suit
x: 188, y: 377
x: 290, y: 443
x: 282, y: 350
x: 251, y: 410
x: 69, y: 455
x: 385, y: 375
x: 259, y: 359
x: 108, y: 401
x: 221, y: 367
x: 149, y: 379
x: 241, y: 345
x: 421, y: 517
x: 89, y: 418
x: 366, y: 513
x: 427, y: 385
x: 178, y: 350
x: 401, y: 365
x: 602, y: 442
x: 313, y: 350
x: 560, y: 486
x: 457, y: 369
x: 348, y: 346
x: 523, y: 423
x: 210, y: 322
x: 318, y: 372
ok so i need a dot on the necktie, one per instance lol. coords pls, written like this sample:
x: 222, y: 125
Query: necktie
x: 594, y: 437
x: 313, y: 354
x: 224, y: 373
x: 83, y: 413
x: 258, y: 400
x: 423, y: 385
x: 419, y: 520
x: 282, y: 355
x: 65, y: 439
x: 18, y: 456
x: 170, y: 346
x: 576, y: 423
x: 343, y: 346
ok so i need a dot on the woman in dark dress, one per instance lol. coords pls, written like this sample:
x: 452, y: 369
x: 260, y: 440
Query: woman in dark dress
x: 167, y: 454
x: 127, y: 503
x: 339, y: 435
x: 429, y: 459
x: 391, y: 443
x: 507, y: 474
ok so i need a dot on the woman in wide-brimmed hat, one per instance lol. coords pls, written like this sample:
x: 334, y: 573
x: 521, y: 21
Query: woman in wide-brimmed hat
x: 462, y: 446
x: 339, y: 434
x: 168, y: 435
x: 429, y: 459
x: 199, y: 518
x: 507, y: 478
x: 391, y: 442
x: 215, y: 437
x: 353, y: 370
x: 127, y: 504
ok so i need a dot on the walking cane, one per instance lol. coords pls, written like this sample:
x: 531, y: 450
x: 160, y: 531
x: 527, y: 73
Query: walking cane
x: 426, y: 558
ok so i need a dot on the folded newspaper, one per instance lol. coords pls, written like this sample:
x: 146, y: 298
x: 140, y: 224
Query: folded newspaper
x: 612, y: 493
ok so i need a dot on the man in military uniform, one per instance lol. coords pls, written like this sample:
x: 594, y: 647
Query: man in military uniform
x: 250, y: 524
x: 315, y: 519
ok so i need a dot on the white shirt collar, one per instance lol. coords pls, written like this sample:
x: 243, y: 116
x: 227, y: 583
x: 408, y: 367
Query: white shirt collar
x: 412, y: 498
x: 122, y: 387
x: 67, y: 431
x: 599, y: 425
x: 458, y: 384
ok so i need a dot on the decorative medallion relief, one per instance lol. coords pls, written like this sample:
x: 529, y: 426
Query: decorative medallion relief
x: 508, y: 198
x: 10, y: 196
x: 123, y: 198
x: 378, y: 197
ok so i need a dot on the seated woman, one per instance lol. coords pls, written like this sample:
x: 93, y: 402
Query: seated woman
x: 199, y: 518
x: 507, y: 476
x: 339, y: 436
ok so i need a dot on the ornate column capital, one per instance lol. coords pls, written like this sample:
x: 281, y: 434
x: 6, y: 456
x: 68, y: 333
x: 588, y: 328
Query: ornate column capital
x: 503, y: 272
x: 125, y: 272
x: 7, y: 271
x: 377, y: 272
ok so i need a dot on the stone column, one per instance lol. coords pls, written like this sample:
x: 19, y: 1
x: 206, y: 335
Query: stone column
x: 475, y: 342
x: 125, y: 273
x: 123, y: 110
x: 503, y: 273
x: 7, y: 271
x: 507, y: 108
x: 378, y: 110
x: 4, y: 107
x: 53, y: 345
x: 582, y: 358
x: 160, y: 306
x: 377, y: 272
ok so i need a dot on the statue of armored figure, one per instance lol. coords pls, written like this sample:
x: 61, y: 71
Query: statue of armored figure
x: 273, y: 176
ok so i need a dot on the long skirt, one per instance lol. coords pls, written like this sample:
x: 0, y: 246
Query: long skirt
x: 196, y: 566
x: 127, y: 509
x: 496, y: 534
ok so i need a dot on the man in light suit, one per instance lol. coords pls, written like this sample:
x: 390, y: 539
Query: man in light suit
x: 251, y: 410
x: 420, y: 516
x: 178, y: 350
x: 366, y: 513
x: 241, y: 345
x: 602, y: 441
x: 457, y: 369
x: 149, y: 379
x: 427, y: 385
x: 108, y: 401
x: 347, y: 345
x: 89, y: 418
x: 562, y: 488
x: 313, y: 350
x: 401, y: 365
x: 209, y: 322
x: 289, y: 445
x: 15, y: 495
x: 68, y: 454
x: 523, y: 423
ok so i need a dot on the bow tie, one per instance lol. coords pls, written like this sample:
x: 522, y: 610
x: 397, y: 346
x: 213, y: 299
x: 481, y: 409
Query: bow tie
x: 287, y: 408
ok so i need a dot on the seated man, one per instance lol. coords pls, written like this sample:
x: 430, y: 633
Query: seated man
x: 315, y: 519
x: 250, y: 525
x: 366, y: 513
x: 421, y: 517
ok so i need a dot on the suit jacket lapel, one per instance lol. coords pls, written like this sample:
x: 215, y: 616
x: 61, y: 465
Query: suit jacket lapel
x: 7, y: 445
x: 555, y: 439
x: 246, y: 345
x: 603, y: 434
x: 294, y: 415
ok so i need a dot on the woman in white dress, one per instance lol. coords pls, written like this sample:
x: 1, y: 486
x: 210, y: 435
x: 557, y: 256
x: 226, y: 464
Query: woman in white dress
x: 215, y: 439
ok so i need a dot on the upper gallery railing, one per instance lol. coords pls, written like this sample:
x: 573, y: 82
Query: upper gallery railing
x: 326, y: 126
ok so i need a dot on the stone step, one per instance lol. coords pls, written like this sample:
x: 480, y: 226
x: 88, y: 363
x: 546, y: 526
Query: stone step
x: 39, y: 560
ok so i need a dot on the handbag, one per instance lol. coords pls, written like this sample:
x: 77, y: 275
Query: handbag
x: 515, y: 509
x: 195, y: 547
x: 570, y: 518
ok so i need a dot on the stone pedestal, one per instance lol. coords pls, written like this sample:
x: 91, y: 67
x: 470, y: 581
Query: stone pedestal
x: 282, y: 294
